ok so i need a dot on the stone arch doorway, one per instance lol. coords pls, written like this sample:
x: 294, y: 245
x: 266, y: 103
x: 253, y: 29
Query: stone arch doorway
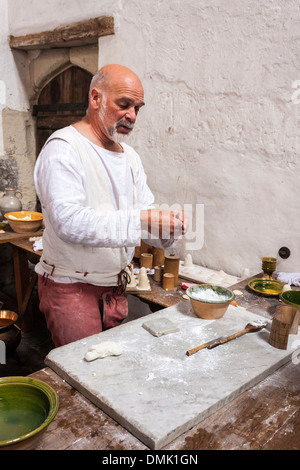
x: 62, y: 101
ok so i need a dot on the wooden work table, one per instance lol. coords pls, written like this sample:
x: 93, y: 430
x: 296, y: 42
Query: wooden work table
x: 7, y: 235
x: 23, y: 281
x: 265, y: 417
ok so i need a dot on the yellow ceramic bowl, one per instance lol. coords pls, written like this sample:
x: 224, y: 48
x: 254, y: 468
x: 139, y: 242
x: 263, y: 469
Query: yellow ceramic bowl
x: 24, y: 221
x: 208, y: 301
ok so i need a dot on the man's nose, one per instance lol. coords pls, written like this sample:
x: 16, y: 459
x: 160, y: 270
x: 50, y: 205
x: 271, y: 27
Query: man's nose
x: 131, y: 114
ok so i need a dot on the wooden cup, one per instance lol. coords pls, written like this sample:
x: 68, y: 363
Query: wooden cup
x: 168, y: 281
x: 158, y: 256
x: 171, y: 265
x: 146, y: 260
x: 158, y: 272
x: 284, y: 323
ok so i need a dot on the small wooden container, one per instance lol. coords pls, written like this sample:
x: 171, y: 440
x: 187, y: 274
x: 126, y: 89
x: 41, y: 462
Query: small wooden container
x: 158, y: 272
x: 284, y: 323
x: 158, y: 256
x: 171, y: 265
x: 168, y: 281
x: 146, y: 260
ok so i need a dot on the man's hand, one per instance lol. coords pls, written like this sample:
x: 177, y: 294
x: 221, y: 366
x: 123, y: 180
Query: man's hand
x: 163, y: 223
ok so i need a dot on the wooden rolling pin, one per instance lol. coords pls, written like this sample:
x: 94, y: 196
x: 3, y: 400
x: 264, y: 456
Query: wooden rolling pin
x: 249, y: 328
x: 203, y: 346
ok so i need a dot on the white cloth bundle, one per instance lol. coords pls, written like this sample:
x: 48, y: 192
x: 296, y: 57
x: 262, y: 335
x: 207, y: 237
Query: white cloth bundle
x: 293, y: 279
x: 38, y: 245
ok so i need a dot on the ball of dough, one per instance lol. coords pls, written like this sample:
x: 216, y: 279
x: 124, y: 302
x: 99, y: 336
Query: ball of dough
x: 101, y: 350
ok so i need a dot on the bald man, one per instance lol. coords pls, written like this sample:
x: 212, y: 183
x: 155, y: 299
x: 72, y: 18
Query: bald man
x: 97, y: 207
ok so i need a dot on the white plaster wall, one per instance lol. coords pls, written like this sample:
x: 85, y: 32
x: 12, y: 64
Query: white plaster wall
x: 13, y: 71
x: 220, y: 127
x: 14, y: 80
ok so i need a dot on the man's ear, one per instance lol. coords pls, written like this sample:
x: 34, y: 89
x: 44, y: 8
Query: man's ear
x: 95, y: 98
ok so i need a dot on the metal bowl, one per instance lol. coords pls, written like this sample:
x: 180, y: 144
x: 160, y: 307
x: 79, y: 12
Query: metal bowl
x: 27, y: 407
x: 10, y: 333
x: 24, y: 221
x: 7, y: 319
x: 208, y: 301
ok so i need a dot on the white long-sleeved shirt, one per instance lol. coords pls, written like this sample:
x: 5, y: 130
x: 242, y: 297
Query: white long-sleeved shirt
x: 60, y: 181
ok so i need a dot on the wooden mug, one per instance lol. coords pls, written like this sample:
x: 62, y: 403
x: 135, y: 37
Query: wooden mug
x: 146, y: 260
x: 168, y: 281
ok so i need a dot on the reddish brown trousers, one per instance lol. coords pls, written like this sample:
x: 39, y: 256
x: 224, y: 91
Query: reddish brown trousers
x: 77, y: 310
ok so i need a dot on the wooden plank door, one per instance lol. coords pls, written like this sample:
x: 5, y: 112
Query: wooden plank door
x: 62, y: 102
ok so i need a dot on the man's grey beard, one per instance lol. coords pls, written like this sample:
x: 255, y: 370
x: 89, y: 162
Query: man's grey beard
x: 114, y: 134
x: 118, y: 137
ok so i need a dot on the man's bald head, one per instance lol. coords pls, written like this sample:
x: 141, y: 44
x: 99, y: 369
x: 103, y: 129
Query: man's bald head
x: 112, y: 74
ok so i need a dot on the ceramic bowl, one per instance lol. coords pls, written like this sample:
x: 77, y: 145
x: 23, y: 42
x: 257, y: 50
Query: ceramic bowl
x: 291, y: 297
x: 27, y: 407
x: 266, y: 286
x: 208, y: 301
x: 24, y: 221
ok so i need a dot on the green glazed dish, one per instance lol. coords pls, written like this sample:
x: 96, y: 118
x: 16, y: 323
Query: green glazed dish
x: 266, y: 286
x: 27, y: 407
x: 291, y: 297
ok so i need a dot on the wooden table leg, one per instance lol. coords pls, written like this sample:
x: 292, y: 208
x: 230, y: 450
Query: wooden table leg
x: 24, y: 287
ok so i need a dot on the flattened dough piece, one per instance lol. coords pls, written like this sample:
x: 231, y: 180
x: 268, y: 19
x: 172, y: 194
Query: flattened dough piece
x: 160, y: 327
x: 238, y: 292
x: 101, y: 350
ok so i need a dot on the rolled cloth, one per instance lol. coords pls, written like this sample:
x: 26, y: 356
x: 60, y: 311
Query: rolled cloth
x: 293, y: 279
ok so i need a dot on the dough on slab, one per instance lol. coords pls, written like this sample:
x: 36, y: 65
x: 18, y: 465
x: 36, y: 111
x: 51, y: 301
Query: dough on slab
x: 101, y: 350
x: 237, y: 292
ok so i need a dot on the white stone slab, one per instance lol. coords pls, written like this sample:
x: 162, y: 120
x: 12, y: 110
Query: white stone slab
x: 154, y: 389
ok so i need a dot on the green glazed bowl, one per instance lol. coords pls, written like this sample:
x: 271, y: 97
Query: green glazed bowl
x: 291, y: 297
x: 27, y: 407
x: 266, y: 286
